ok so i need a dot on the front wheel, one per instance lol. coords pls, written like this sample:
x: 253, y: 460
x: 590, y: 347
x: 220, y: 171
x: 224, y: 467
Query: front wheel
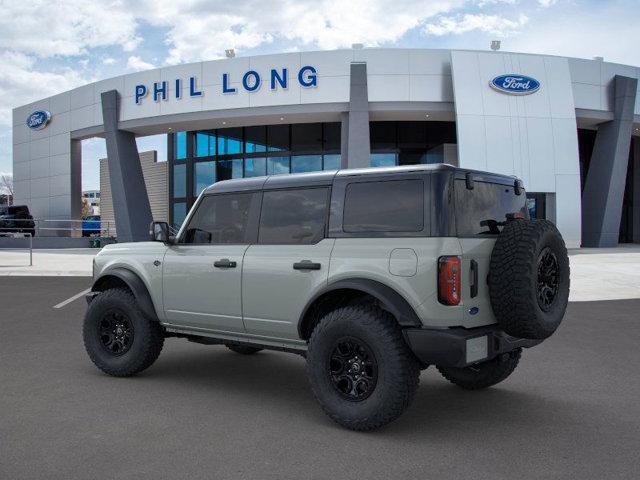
x: 360, y: 369
x: 118, y: 337
x: 483, y: 375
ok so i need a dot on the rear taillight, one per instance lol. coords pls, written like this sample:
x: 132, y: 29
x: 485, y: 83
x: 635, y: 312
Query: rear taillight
x: 449, y: 280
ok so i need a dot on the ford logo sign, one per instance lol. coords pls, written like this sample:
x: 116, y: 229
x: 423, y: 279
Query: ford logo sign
x: 38, y: 119
x: 515, y: 84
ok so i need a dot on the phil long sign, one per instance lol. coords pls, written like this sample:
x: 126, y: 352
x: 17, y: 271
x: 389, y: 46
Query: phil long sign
x: 250, y: 81
x: 515, y: 84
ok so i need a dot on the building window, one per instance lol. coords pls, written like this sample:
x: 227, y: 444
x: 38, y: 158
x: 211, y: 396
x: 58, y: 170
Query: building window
x: 204, y: 174
x: 277, y: 165
x: 255, y: 167
x: 228, y: 169
x: 205, y: 144
x: 332, y: 162
x: 306, y: 163
x: 179, y: 214
x: 180, y: 146
x: 201, y: 158
x: 180, y: 180
x: 229, y: 141
x: 383, y: 160
x: 255, y: 139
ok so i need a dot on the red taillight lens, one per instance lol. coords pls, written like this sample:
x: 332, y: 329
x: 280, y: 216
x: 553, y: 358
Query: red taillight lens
x: 449, y: 280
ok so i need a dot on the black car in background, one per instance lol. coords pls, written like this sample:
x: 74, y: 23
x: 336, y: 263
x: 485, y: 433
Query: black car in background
x: 17, y: 219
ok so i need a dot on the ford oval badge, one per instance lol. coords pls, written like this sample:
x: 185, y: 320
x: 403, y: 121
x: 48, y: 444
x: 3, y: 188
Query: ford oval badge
x: 515, y: 84
x: 38, y: 119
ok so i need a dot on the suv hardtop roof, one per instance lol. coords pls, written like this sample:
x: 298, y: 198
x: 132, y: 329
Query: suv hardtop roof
x: 325, y: 178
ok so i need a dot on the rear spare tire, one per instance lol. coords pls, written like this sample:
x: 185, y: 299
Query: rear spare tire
x: 529, y: 278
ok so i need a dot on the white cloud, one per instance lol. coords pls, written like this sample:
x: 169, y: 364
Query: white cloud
x: 547, y: 3
x: 214, y: 26
x: 46, y: 28
x: 21, y: 83
x: 491, y: 24
x: 108, y: 61
x: 135, y: 63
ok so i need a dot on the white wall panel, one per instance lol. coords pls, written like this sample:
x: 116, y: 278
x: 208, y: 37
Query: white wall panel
x: 82, y: 117
x: 532, y: 136
x: 429, y: 62
x: 39, y: 168
x: 20, y: 133
x: 384, y: 61
x: 39, y: 149
x: 60, y: 103
x: 81, y: 97
x: 59, y: 165
x: 388, y: 88
x: 329, y: 64
x: 59, y: 144
x: 472, y: 145
x: 329, y: 90
x: 430, y: 88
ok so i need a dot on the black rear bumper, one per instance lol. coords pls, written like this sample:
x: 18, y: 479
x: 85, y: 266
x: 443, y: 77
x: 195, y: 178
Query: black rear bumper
x: 460, y: 347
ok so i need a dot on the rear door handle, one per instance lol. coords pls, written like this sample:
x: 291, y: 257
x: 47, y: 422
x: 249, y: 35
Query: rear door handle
x: 306, y: 265
x: 474, y: 279
x: 224, y: 263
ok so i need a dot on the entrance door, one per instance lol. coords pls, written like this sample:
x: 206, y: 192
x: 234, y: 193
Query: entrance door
x: 289, y: 262
x: 203, y: 270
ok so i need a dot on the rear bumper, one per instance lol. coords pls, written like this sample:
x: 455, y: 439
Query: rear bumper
x: 460, y: 347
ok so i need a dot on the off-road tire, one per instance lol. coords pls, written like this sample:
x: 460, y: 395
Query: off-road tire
x: 485, y: 374
x: 243, y: 349
x: 398, y: 371
x: 148, y: 337
x: 514, y: 278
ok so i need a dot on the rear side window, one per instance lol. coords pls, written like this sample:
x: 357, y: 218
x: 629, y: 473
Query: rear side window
x: 388, y: 206
x: 220, y: 219
x: 296, y: 216
x: 483, y: 210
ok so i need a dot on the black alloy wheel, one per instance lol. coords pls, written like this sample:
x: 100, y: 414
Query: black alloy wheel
x: 353, y: 369
x: 116, y: 332
x: 548, y: 281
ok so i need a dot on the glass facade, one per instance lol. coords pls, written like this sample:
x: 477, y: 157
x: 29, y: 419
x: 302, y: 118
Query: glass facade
x: 201, y: 158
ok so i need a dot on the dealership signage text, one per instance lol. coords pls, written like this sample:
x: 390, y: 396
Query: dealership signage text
x: 251, y: 81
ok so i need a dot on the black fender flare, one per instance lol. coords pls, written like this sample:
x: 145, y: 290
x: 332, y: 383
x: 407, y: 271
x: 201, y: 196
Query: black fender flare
x: 135, y: 284
x: 391, y: 300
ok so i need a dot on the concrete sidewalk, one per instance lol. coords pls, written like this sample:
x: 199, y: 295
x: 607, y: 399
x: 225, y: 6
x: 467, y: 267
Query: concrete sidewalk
x: 596, y: 274
x: 68, y: 262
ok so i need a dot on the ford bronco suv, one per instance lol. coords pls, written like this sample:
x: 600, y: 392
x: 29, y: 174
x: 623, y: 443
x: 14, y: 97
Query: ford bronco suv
x: 371, y: 274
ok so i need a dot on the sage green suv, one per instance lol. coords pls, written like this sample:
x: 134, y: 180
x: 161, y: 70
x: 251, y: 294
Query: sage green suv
x: 371, y: 274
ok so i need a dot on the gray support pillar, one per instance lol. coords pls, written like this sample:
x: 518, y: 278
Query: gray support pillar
x: 604, y: 187
x: 344, y: 140
x: 358, y: 146
x: 636, y: 190
x: 129, y: 193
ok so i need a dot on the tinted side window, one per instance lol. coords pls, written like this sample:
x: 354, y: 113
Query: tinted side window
x: 389, y: 206
x: 220, y: 219
x: 293, y: 216
x: 483, y: 210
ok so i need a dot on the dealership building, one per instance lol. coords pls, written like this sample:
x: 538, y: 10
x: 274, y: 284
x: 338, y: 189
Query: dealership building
x: 568, y: 127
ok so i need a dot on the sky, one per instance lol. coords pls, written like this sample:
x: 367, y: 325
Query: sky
x: 47, y: 47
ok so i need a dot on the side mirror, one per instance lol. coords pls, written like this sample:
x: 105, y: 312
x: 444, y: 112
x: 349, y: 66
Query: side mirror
x: 159, y: 232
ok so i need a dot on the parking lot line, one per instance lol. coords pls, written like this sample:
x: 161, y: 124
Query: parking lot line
x: 71, y: 299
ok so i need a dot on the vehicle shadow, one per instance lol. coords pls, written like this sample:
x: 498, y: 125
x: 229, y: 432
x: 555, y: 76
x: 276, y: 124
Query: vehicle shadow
x: 278, y: 382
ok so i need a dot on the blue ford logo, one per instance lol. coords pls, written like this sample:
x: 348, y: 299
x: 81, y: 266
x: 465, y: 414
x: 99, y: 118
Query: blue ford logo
x: 515, y: 84
x: 38, y: 119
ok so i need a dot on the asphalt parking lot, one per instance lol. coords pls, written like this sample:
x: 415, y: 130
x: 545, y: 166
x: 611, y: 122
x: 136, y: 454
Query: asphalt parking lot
x: 571, y: 410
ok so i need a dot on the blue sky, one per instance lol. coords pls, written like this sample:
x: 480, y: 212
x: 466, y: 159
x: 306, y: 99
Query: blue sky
x: 52, y: 47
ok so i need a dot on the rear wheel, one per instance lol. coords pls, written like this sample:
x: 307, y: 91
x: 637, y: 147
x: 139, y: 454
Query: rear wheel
x: 360, y: 369
x: 483, y: 375
x: 243, y: 349
x: 118, y: 337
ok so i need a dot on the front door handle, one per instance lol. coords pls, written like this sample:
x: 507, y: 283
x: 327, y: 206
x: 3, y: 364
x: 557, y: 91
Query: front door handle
x: 306, y: 265
x: 224, y: 263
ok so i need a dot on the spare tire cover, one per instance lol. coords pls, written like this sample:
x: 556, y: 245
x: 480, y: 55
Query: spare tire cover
x: 529, y: 278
